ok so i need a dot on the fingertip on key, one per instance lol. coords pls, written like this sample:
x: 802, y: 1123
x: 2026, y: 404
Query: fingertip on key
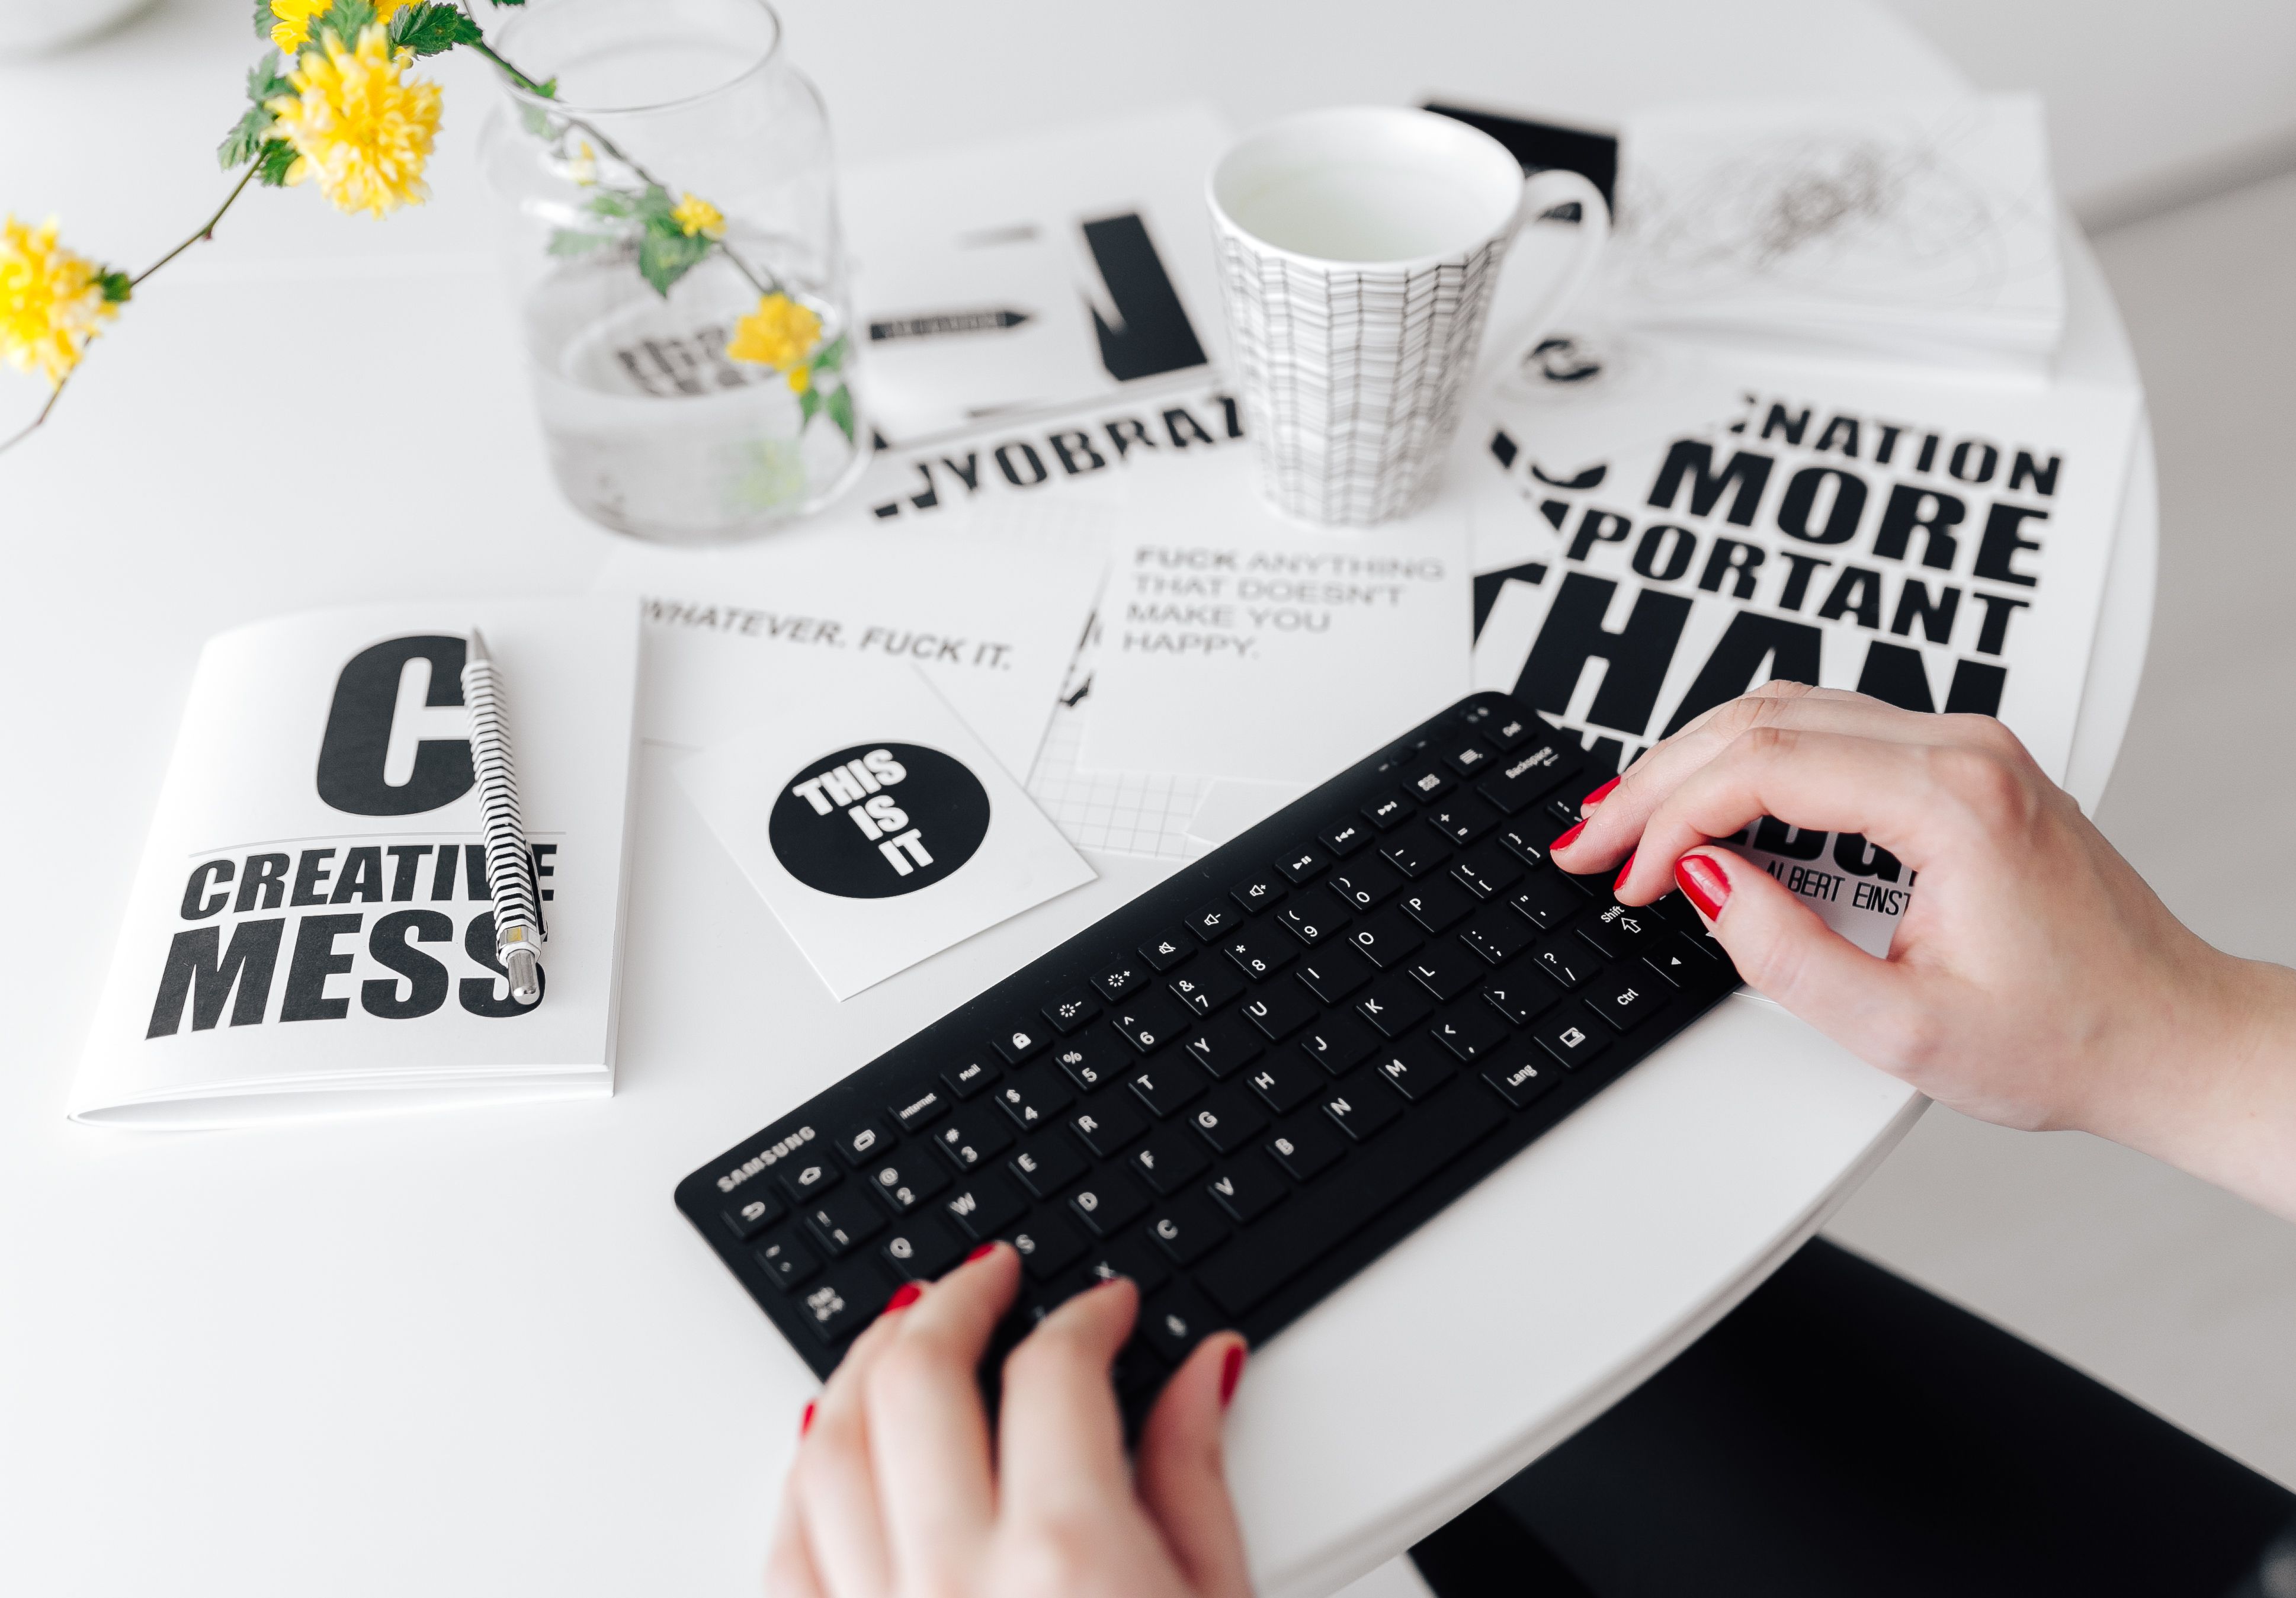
x: 1598, y: 796
x: 1569, y: 836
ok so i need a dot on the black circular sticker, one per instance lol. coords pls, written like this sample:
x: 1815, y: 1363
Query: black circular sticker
x: 879, y: 819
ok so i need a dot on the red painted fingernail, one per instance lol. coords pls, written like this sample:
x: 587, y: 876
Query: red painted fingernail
x: 1569, y: 838
x: 1598, y: 797
x: 1703, y: 883
x: 1622, y: 879
x: 805, y: 1422
x: 1231, y: 1373
x: 982, y: 1252
x: 905, y: 1295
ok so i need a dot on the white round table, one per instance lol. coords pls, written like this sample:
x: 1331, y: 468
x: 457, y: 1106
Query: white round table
x: 479, y: 1353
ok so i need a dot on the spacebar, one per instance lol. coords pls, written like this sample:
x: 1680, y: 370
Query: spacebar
x: 1353, y: 1195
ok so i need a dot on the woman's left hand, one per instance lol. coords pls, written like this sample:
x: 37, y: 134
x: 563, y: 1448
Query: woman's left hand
x: 899, y: 1490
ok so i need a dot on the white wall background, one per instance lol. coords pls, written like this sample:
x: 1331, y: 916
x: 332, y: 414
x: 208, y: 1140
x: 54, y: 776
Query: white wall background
x: 2151, y: 101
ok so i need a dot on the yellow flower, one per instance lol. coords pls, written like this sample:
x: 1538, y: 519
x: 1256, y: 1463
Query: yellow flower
x: 358, y: 127
x: 290, y: 28
x: 583, y: 168
x: 52, y: 302
x: 800, y: 378
x: 696, y: 215
x: 780, y: 333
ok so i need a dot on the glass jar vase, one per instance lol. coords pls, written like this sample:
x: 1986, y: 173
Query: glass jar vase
x: 677, y: 264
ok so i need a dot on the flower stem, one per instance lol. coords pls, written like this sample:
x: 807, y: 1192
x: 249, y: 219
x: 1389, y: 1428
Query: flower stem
x: 207, y: 230
x: 33, y: 426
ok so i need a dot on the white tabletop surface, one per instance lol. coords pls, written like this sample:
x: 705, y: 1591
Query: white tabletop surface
x: 479, y: 1353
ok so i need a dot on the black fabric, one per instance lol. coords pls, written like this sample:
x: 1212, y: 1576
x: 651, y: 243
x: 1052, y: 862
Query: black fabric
x: 1842, y: 1432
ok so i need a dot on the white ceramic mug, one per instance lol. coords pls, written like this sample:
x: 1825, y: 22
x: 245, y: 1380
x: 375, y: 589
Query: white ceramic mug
x: 1358, y: 249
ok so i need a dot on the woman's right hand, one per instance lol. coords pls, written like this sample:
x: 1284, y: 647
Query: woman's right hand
x: 2034, y: 980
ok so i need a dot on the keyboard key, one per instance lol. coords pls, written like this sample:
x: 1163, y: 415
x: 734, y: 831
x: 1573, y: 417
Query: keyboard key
x: 834, y: 1314
x: 1525, y: 778
x: 1361, y: 1108
x: 1624, y: 997
x: 969, y: 1078
x: 1107, y: 1126
x: 1497, y: 935
x: 1229, y: 1120
x: 844, y: 1221
x: 1673, y: 965
x: 1213, y: 921
x: 1446, y: 968
x: 786, y: 1263
x: 1305, y: 1149
x: 1702, y: 944
x: 971, y: 1138
x: 1204, y: 987
x: 1020, y: 1044
x: 1467, y: 757
x: 1280, y: 1011
x: 1186, y: 1227
x: 1616, y: 931
x: 1176, y: 1321
x: 1522, y: 1082
x: 1528, y: 841
x: 1564, y: 959
x: 1339, y: 1044
x: 1333, y: 977
x: 1310, y: 922
x: 1090, y: 1062
x: 1387, y: 812
x: 1486, y: 874
x: 906, y: 1184
x: 1149, y: 1022
x: 1461, y: 820
x: 1242, y: 1275
x: 1470, y: 1031
x: 1570, y: 1039
x: 1363, y: 885
x: 1284, y: 1084
x: 1395, y: 1006
x: 1257, y: 892
x: 1415, y: 854
x: 1386, y: 939
x: 1047, y: 1243
x: 1509, y: 732
x: 1414, y: 1070
x: 1224, y: 1046
x: 1520, y: 1000
x: 753, y: 1215
x: 1071, y: 1010
x: 1247, y: 1190
x: 1033, y: 1100
x: 1260, y: 951
x: 1118, y: 981
x: 1106, y: 1208
x: 1168, y: 1160
x: 921, y: 1111
x: 1437, y: 904
x: 1562, y: 810
x: 1131, y: 1257
x: 858, y: 1144
x: 1165, y: 953
x: 985, y: 1206
x: 1547, y: 900
x: 1429, y: 784
x: 801, y: 1182
x: 1046, y: 1165
x: 1168, y: 1088
x: 1344, y: 838
x: 1303, y: 865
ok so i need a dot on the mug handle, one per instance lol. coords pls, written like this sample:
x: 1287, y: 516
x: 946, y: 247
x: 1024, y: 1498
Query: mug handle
x: 1543, y: 192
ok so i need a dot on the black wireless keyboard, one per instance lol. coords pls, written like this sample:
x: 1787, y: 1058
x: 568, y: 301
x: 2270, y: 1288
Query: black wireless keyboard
x: 1244, y: 1085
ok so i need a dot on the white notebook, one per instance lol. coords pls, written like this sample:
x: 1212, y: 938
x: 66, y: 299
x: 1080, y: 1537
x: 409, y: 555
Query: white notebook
x: 309, y: 932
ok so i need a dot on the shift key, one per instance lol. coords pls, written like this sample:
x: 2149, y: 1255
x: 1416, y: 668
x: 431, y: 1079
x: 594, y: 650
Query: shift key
x: 1380, y: 1175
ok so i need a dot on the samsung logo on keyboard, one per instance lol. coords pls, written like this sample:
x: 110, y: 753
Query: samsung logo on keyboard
x: 757, y: 1163
x: 874, y: 820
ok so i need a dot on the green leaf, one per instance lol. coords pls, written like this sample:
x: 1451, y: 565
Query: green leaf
x: 272, y: 163
x: 432, y: 30
x: 245, y: 139
x: 263, y: 19
x: 831, y: 359
x: 573, y: 241
x: 655, y: 207
x: 346, y: 19
x: 841, y: 411
x: 264, y: 80
x: 664, y: 255
x: 808, y: 405
x: 117, y: 288
x: 612, y: 203
x: 536, y: 121
x: 510, y: 2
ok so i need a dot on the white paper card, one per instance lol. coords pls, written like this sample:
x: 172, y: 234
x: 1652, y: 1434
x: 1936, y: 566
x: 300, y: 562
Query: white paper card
x: 878, y: 828
x: 310, y: 932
